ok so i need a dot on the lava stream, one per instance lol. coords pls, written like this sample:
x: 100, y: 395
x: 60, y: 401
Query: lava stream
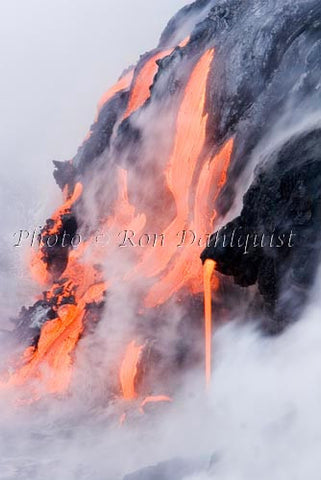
x: 128, y: 370
x: 209, y: 267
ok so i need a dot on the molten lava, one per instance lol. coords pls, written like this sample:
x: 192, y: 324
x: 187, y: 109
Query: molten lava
x: 122, y: 84
x: 38, y: 266
x: 194, y: 176
x: 128, y: 370
x: 209, y: 267
x: 140, y: 91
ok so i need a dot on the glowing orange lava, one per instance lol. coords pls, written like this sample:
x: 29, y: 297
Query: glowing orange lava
x: 38, y: 267
x: 128, y: 370
x: 175, y: 268
x: 122, y: 84
x: 50, y: 363
x: 141, y: 87
x: 140, y: 91
x: 209, y: 267
x: 194, y: 176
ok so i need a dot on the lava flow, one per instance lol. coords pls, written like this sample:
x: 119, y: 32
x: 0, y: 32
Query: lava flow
x: 140, y: 91
x: 127, y: 376
x: 194, y: 176
x: 209, y: 267
x: 128, y: 370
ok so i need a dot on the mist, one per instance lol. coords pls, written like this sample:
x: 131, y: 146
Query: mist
x: 259, y: 418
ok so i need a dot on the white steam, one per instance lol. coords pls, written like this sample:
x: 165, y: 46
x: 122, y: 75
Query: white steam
x: 260, y: 418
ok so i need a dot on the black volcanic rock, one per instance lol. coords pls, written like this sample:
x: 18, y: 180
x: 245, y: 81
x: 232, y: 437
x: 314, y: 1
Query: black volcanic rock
x: 30, y: 321
x: 284, y: 200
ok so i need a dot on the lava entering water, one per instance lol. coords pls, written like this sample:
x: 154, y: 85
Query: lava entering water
x: 209, y: 267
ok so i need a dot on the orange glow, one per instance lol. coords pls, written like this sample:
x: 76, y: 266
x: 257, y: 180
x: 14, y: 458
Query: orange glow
x: 142, y: 83
x: 154, y: 399
x: 38, y: 267
x: 141, y: 88
x: 122, y: 84
x: 184, y: 42
x: 128, y: 370
x: 188, y: 145
x: 50, y: 363
x: 194, y: 177
x: 212, y: 178
x: 173, y: 268
x: 65, y: 208
x: 209, y: 267
x: 124, y: 215
x: 186, y: 269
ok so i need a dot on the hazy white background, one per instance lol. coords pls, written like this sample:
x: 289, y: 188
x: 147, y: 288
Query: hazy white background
x: 56, y: 59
